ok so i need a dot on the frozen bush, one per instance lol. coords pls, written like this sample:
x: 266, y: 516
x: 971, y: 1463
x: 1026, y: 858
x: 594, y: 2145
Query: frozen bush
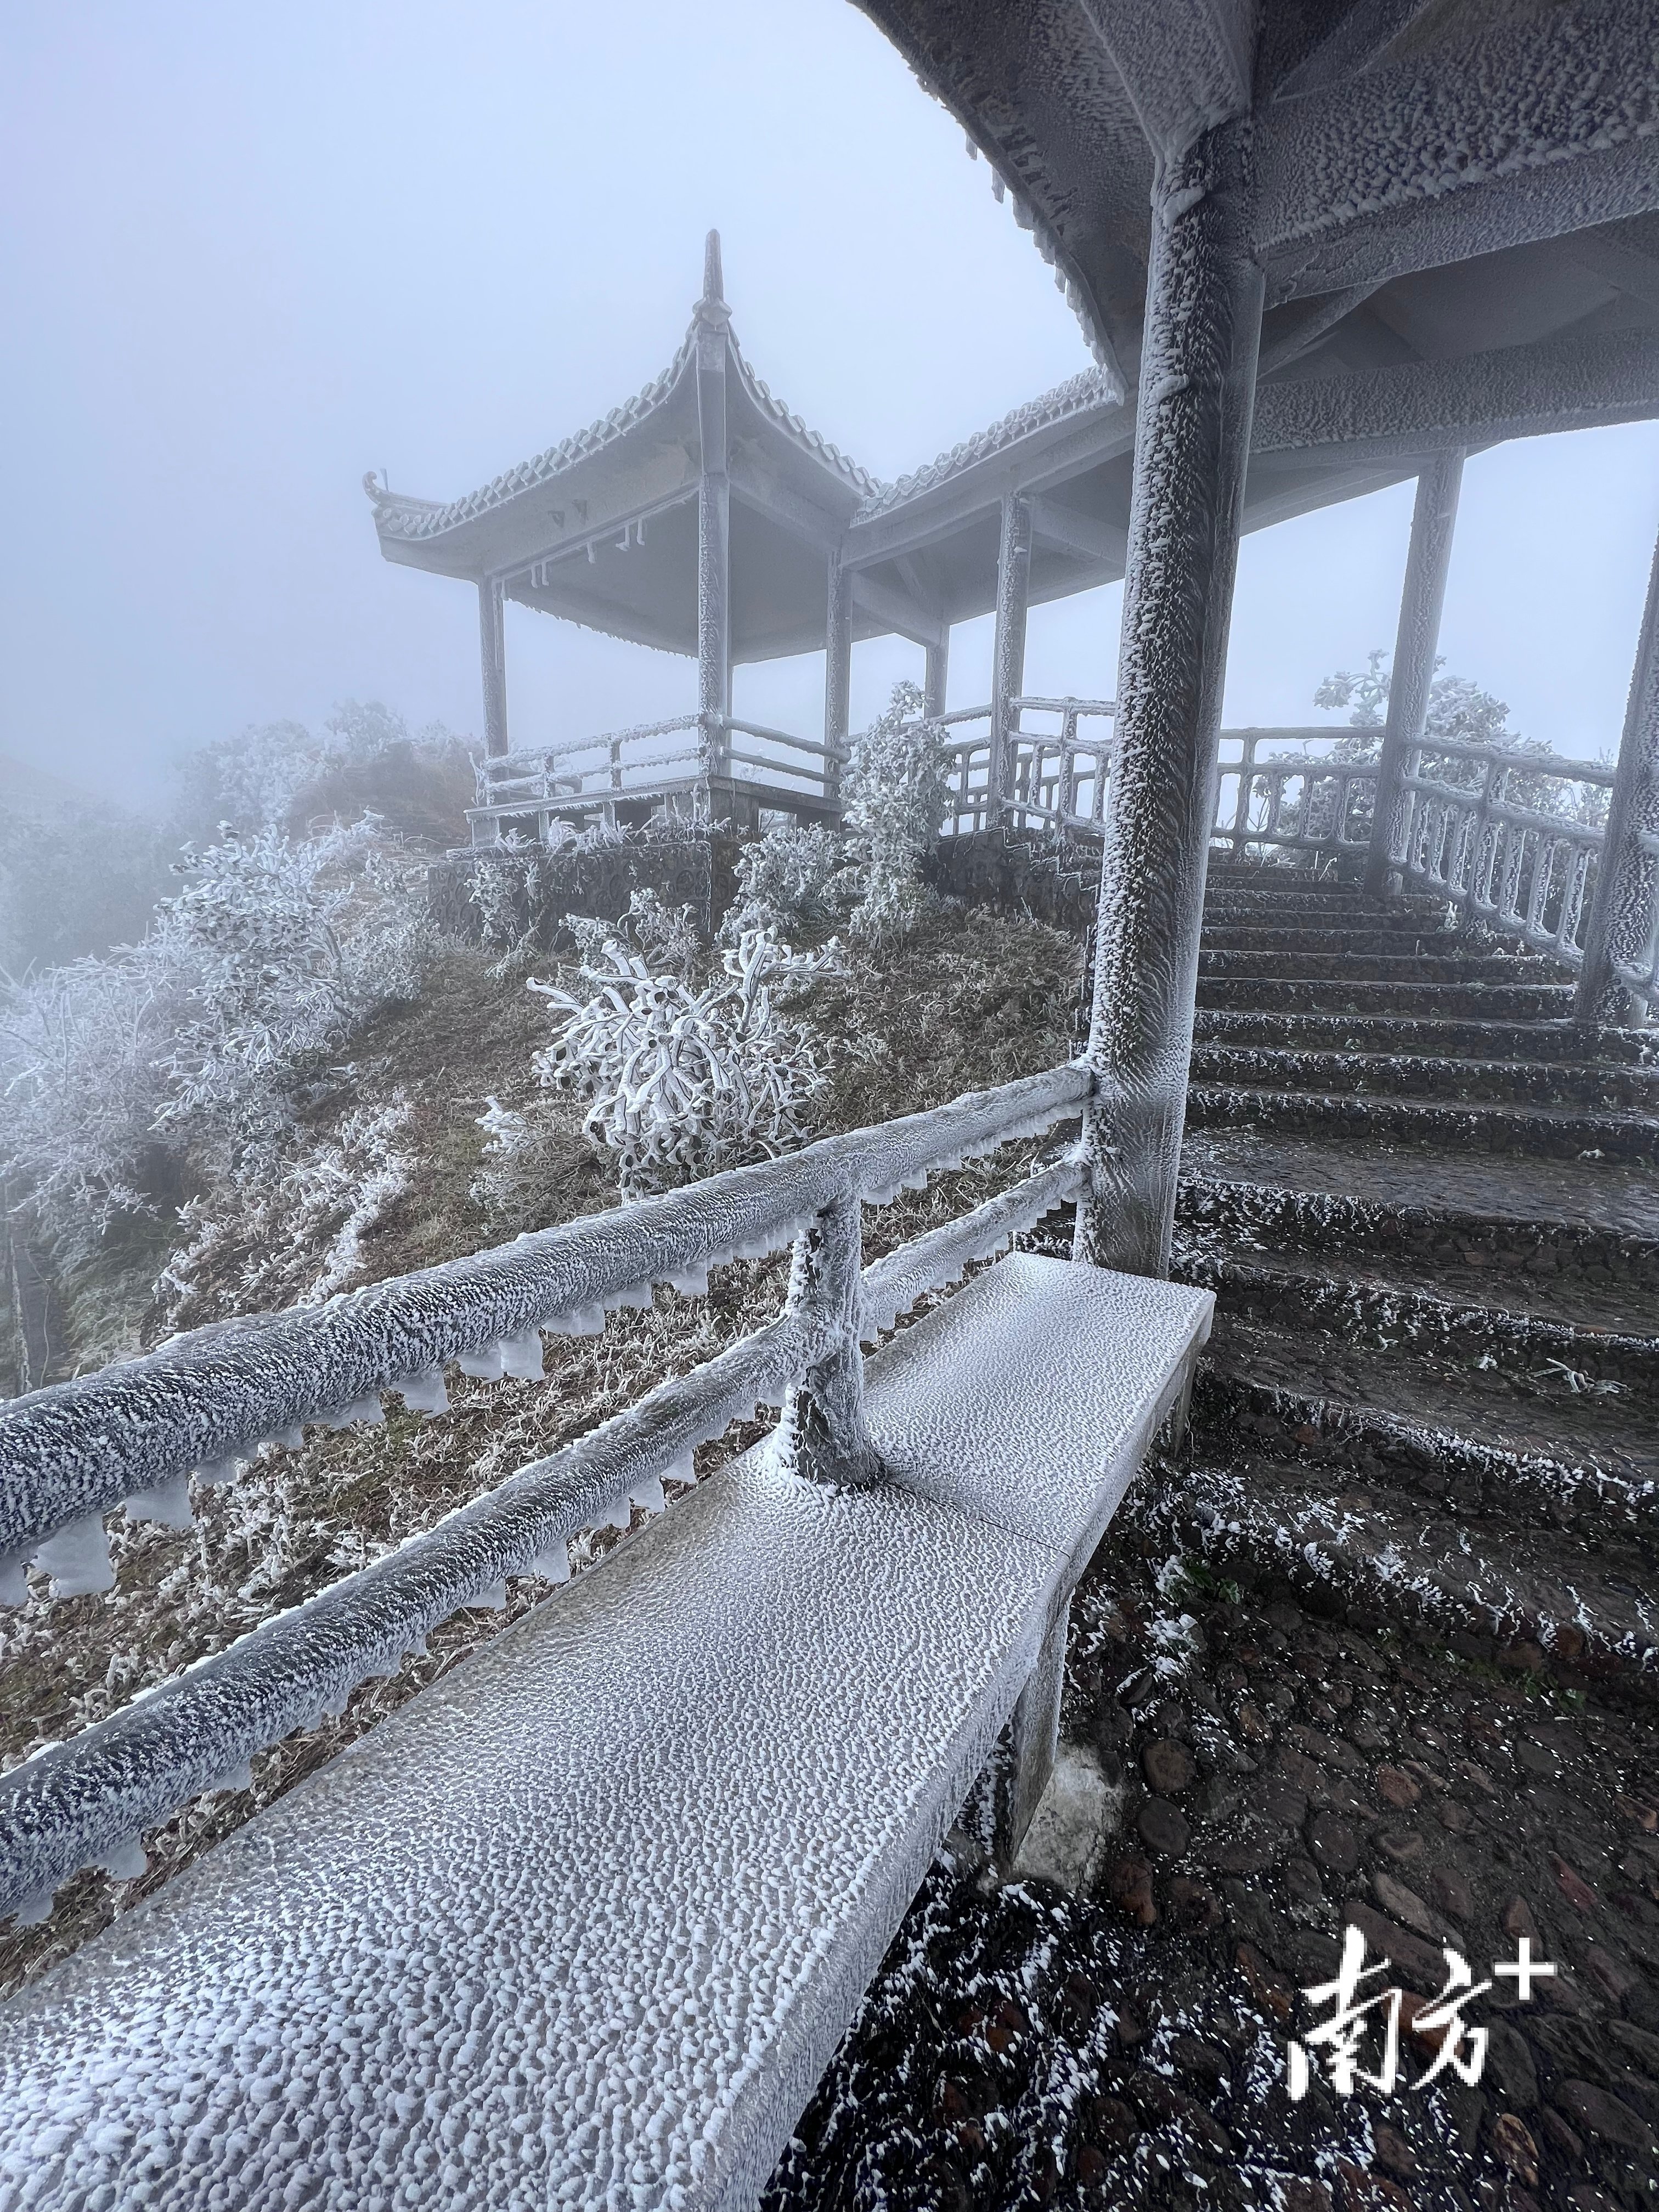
x: 893, y: 793
x: 265, y: 1252
x: 684, y: 1080
x: 187, y: 1046
x: 789, y: 879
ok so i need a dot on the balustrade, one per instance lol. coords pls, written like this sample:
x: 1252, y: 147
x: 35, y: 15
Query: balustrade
x: 132, y: 1435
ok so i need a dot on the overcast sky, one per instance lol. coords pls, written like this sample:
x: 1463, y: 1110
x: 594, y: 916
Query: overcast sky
x: 247, y: 254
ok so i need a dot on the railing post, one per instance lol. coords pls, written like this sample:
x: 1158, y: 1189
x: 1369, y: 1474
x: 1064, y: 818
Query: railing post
x: 1191, y: 442
x: 823, y: 1429
x: 1625, y: 899
x: 1434, y: 520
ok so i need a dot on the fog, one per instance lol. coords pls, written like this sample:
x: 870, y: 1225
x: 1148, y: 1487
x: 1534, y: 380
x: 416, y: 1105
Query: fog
x: 249, y: 254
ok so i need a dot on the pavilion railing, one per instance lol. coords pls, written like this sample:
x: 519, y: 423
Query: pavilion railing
x: 132, y: 1435
x: 1277, y: 791
x: 1510, y: 839
x: 594, y: 779
x: 1050, y: 779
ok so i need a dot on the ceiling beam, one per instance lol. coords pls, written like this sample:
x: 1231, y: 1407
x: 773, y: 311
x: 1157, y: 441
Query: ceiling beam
x: 1185, y: 64
x: 1529, y: 125
x: 761, y: 491
x: 1429, y: 406
x: 1080, y: 534
x: 894, y: 611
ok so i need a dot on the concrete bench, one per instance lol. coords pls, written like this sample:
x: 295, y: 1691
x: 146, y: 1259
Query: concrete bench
x: 583, y: 1923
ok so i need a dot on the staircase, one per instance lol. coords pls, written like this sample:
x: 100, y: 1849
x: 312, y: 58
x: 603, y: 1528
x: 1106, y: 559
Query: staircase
x: 1426, y: 1204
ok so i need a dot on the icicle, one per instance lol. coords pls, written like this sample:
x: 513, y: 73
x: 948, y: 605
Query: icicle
x: 917, y: 1181
x: 684, y: 1469
x: 234, y: 1777
x: 647, y: 1494
x: 345, y: 1417
x: 167, y: 1503
x: 521, y: 1357
x: 619, y: 1514
x: 77, y: 1559
x: 291, y: 1439
x: 424, y: 1393
x: 213, y: 1472
x: 586, y: 1321
x: 484, y: 1365
x: 14, y: 1581
x: 637, y: 1296
x: 690, y: 1282
x: 34, y: 1910
x: 126, y: 1861
x: 494, y: 1598
x: 554, y: 1566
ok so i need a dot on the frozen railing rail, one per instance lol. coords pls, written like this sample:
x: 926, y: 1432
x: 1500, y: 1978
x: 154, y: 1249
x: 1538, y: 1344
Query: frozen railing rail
x: 1282, y: 787
x: 1468, y: 835
x: 554, y: 782
x: 133, y: 1433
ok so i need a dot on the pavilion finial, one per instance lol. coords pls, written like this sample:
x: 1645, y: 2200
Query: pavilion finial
x: 712, y: 307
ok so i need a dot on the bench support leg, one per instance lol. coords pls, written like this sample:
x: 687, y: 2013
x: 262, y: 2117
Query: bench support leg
x: 823, y: 1429
x: 1026, y: 1752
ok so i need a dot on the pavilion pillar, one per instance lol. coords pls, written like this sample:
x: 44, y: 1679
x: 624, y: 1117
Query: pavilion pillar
x: 714, y: 518
x: 1008, y: 651
x: 1192, y: 441
x: 1434, y: 522
x: 492, y: 642
x: 933, y: 679
x: 837, y: 674
x: 1625, y: 903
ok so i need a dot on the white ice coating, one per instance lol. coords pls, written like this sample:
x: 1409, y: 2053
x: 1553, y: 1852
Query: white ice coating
x: 581, y: 1925
x: 206, y: 1400
x: 60, y: 1811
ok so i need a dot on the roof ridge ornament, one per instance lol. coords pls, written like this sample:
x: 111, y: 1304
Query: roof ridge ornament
x: 711, y: 308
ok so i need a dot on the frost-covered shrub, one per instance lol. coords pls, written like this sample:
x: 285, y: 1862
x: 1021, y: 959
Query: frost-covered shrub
x: 790, y: 880
x: 81, y: 1086
x: 266, y: 1251
x: 275, y: 950
x: 684, y: 1080
x: 894, y: 795
x: 187, y: 1045
x: 508, y: 888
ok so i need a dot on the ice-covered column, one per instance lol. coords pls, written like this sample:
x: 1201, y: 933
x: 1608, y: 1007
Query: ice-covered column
x: 1008, y: 653
x: 1192, y: 439
x: 823, y: 1431
x: 714, y: 320
x: 1434, y: 522
x: 935, y: 675
x: 492, y: 643
x: 1625, y: 901
x: 837, y: 671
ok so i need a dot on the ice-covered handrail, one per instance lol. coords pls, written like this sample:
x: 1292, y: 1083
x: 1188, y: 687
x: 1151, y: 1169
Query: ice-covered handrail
x: 892, y: 1286
x: 88, y: 1803
x: 83, y: 1448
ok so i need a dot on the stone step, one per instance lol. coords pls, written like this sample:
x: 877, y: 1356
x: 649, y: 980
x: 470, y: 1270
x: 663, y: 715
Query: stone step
x: 1466, y: 1001
x: 1604, y: 1276
x: 1551, y: 1041
x: 1415, y: 968
x: 1305, y: 907
x: 1375, y: 934
x: 1518, y: 1206
x: 1555, y: 1132
x: 1531, y: 1337
x: 1563, y: 1082
x: 1374, y: 1554
x: 1478, y: 1439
